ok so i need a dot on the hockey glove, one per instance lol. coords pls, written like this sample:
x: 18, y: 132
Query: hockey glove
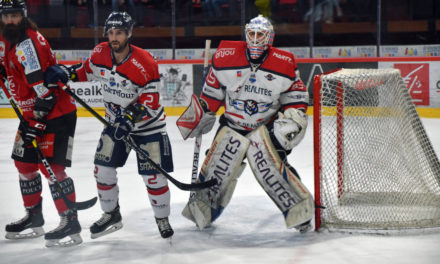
x: 44, y: 105
x: 289, y: 129
x: 124, y: 124
x: 32, y: 130
x: 60, y: 73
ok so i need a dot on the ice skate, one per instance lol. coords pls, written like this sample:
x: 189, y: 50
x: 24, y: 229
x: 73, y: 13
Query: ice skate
x: 164, y: 227
x: 30, y: 226
x: 69, y: 228
x: 108, y: 223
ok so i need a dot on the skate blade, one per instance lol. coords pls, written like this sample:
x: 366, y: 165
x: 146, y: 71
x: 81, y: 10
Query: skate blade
x: 75, y: 239
x: 35, y: 232
x: 111, y: 229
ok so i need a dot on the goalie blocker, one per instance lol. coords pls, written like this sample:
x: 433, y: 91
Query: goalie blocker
x: 224, y: 162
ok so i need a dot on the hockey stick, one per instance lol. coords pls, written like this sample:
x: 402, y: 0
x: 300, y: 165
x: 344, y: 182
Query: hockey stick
x: 71, y: 205
x: 143, y: 153
x: 198, y: 139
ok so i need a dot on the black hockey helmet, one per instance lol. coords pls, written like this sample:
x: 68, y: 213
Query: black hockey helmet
x: 10, y: 6
x: 119, y: 20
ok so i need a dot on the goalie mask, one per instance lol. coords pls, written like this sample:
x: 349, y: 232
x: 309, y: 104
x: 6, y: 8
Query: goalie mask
x: 11, y: 6
x: 259, y: 35
x: 120, y: 20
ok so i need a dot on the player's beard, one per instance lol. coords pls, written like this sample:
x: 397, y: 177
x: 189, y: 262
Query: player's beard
x: 14, y: 33
x: 120, y: 47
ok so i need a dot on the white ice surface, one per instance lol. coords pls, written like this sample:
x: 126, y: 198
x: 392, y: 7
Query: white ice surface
x: 251, y: 229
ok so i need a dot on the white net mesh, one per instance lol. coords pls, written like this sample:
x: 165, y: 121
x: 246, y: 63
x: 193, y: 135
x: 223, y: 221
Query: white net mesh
x: 378, y: 168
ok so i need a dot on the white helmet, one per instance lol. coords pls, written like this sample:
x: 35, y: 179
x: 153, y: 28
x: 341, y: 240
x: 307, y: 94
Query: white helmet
x: 259, y: 35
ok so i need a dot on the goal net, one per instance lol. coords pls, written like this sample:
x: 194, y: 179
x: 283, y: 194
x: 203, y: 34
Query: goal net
x: 375, y: 168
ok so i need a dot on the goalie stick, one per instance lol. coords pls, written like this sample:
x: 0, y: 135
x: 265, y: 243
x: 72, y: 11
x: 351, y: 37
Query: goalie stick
x: 143, y: 153
x: 71, y: 205
x: 198, y: 139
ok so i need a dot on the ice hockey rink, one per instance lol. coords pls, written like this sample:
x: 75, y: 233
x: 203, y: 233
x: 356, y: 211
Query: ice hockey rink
x: 251, y: 229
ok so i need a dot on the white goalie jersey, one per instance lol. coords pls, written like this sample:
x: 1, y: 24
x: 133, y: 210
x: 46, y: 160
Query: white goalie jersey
x: 252, y: 96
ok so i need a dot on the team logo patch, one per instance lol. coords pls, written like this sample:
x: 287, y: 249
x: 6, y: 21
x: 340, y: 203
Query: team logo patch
x: 238, y: 73
x: 102, y: 72
x: 250, y: 107
x: 269, y: 77
x: 253, y: 78
x: 112, y: 81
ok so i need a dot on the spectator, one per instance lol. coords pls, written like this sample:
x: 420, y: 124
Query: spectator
x: 263, y: 7
x: 214, y: 9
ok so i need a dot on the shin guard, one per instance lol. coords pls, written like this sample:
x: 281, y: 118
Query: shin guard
x: 31, y: 191
x: 68, y: 190
x: 224, y: 163
x: 280, y: 183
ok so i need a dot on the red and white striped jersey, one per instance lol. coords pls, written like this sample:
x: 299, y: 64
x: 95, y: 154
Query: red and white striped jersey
x: 134, y: 80
x: 253, y: 95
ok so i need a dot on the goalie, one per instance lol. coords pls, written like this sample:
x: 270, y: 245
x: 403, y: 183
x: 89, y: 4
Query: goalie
x: 265, y: 103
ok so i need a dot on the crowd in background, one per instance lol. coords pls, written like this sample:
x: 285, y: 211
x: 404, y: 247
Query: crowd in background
x: 149, y: 13
x: 193, y: 15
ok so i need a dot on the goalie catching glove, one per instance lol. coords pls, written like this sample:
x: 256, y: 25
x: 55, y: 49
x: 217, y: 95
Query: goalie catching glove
x: 196, y: 120
x: 290, y: 127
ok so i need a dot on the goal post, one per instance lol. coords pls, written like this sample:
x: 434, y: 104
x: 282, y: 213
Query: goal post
x: 375, y: 168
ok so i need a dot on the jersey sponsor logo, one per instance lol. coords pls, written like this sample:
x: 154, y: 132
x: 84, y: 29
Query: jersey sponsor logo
x: 250, y: 107
x: 97, y: 49
x: 140, y: 67
x: 40, y: 90
x: 28, y: 56
x: 117, y: 92
x: 257, y: 90
x: 26, y: 103
x: 283, y: 57
x: 224, y: 52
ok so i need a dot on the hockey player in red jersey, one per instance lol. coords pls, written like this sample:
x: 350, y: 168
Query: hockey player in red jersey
x: 130, y: 81
x: 265, y: 105
x: 51, y: 119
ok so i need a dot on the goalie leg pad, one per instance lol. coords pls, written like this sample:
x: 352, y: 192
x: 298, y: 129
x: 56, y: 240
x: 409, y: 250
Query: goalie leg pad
x: 224, y: 163
x: 281, y: 184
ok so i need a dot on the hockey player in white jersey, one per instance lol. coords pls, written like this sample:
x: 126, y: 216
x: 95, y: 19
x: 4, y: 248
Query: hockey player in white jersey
x: 130, y: 81
x: 265, y: 105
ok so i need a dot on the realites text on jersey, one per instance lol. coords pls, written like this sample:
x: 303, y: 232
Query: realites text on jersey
x: 253, y: 94
x: 135, y: 80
